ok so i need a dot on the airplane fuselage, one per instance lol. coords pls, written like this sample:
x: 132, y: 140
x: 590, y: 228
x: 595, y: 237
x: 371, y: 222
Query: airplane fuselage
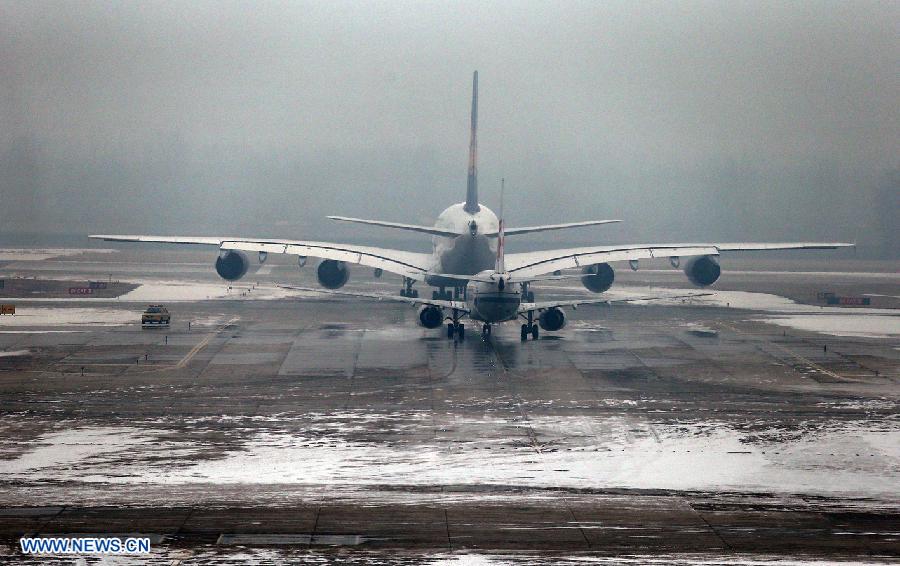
x: 492, y: 302
x: 473, y: 251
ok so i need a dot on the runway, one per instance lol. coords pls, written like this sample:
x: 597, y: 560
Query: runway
x: 267, y: 425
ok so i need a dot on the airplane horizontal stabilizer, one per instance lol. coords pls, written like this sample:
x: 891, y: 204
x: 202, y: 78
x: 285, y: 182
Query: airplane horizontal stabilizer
x: 398, y: 226
x: 549, y: 227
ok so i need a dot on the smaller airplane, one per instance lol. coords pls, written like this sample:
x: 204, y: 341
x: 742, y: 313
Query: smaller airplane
x: 491, y: 297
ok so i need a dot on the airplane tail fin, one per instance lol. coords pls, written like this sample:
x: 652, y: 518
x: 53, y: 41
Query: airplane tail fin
x: 501, y: 235
x: 472, y: 183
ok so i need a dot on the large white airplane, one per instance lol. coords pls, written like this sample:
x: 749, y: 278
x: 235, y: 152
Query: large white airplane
x: 491, y: 297
x: 465, y: 238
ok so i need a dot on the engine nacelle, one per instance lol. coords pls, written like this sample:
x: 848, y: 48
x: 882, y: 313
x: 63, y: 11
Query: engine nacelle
x: 431, y: 316
x: 552, y: 319
x: 232, y: 265
x: 598, y: 277
x: 332, y: 274
x: 703, y: 270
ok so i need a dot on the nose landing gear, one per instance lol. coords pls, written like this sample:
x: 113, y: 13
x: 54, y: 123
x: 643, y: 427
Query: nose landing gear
x: 485, y: 330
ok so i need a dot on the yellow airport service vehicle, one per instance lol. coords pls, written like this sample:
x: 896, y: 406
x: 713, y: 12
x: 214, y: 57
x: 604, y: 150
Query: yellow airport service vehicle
x: 155, y: 315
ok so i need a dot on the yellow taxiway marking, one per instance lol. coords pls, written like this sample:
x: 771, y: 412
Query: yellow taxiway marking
x: 181, y: 363
x: 787, y: 350
x: 202, y: 344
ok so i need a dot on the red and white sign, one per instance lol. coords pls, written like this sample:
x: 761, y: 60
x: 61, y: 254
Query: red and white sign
x: 81, y: 291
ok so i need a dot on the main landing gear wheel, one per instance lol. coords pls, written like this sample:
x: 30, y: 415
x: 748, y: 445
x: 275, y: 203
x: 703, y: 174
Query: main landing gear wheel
x: 442, y: 295
x: 524, y: 332
x: 407, y: 290
x: 456, y: 329
x: 530, y: 329
x: 534, y: 332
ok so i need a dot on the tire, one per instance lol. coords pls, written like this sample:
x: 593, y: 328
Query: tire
x: 450, y: 331
x: 535, y: 331
x: 524, y: 332
x: 461, y: 331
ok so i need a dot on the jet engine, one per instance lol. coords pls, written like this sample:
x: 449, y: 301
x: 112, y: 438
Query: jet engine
x: 598, y: 277
x: 332, y: 274
x: 703, y: 270
x: 431, y: 316
x: 552, y: 319
x: 232, y: 265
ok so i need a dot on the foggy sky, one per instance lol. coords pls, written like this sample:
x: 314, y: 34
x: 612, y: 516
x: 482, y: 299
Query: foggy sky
x: 688, y: 120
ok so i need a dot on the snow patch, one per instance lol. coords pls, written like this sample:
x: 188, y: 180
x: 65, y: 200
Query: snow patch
x: 37, y: 254
x: 53, y: 316
x: 14, y: 353
x: 851, y: 325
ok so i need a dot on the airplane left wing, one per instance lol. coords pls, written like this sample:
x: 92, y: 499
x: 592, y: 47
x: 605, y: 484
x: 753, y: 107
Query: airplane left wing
x: 457, y: 305
x: 529, y: 264
x: 407, y: 264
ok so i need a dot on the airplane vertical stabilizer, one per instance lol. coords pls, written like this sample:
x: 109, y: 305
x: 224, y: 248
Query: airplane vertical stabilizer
x: 472, y: 184
x: 500, y: 267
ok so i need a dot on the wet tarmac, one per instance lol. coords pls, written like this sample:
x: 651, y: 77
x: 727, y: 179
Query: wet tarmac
x: 281, y: 427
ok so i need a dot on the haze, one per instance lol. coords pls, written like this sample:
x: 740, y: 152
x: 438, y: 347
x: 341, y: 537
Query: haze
x: 690, y: 121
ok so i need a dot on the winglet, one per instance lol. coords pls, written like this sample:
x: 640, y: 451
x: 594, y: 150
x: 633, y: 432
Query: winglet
x: 472, y: 182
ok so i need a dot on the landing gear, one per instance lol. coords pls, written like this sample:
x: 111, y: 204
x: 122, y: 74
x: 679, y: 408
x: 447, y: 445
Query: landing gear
x: 485, y: 330
x: 456, y: 329
x: 442, y: 295
x: 407, y: 290
x: 530, y: 328
x: 527, y: 296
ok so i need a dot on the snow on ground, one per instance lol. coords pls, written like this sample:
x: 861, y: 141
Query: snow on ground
x: 174, y: 291
x: 852, y: 325
x: 608, y: 452
x: 513, y: 559
x: 67, y: 316
x: 14, y: 353
x: 37, y: 254
x: 163, y: 291
x: 837, y: 321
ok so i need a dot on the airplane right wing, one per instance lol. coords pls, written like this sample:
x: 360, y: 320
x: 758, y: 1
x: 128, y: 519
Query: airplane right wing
x: 530, y: 264
x: 407, y: 264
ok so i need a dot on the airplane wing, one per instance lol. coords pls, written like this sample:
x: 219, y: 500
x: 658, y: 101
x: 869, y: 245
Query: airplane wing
x: 411, y: 227
x: 530, y: 264
x: 574, y: 303
x: 458, y: 305
x: 407, y: 264
x: 549, y: 227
